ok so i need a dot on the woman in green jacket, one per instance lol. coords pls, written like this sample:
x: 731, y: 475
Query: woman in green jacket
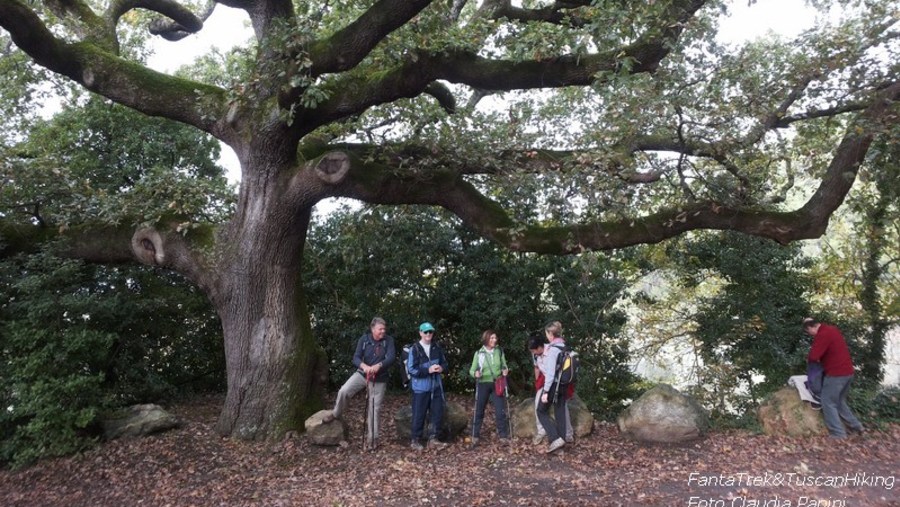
x: 488, y: 364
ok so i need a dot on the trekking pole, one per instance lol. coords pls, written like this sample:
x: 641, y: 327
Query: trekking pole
x: 506, y: 393
x: 370, y: 413
x: 475, y: 412
x: 508, y: 414
x: 373, y: 421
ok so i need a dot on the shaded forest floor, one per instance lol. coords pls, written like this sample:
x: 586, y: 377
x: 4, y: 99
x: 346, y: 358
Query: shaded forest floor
x: 192, y: 466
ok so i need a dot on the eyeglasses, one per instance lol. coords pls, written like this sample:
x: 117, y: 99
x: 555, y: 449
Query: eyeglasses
x: 428, y: 332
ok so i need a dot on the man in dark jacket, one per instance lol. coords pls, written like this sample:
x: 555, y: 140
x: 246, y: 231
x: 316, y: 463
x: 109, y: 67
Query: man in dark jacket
x: 830, y: 349
x: 425, y: 364
x: 374, y: 355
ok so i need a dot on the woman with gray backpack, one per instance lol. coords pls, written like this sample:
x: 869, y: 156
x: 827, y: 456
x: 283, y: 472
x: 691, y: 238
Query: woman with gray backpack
x: 555, y: 388
x: 489, y: 369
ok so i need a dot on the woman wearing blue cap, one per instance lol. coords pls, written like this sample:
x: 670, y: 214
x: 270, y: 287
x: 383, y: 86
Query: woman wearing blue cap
x: 425, y: 364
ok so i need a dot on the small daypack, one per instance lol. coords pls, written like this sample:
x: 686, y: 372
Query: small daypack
x: 566, y: 366
x: 404, y: 355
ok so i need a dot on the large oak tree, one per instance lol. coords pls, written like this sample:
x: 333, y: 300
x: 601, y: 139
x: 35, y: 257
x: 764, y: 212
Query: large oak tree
x: 649, y: 125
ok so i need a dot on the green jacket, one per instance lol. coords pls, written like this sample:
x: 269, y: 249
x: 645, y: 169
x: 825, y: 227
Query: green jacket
x: 492, y: 364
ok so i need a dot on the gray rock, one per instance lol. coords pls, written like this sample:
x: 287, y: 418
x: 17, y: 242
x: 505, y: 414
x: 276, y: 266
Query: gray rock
x: 325, y: 434
x: 663, y: 414
x: 524, y: 420
x: 455, y: 421
x: 784, y: 413
x: 138, y: 420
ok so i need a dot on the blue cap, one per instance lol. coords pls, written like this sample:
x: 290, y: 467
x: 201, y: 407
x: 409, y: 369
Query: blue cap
x: 426, y: 326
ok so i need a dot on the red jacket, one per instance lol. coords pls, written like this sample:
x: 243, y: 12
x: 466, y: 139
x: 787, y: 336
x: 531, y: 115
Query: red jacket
x: 830, y: 349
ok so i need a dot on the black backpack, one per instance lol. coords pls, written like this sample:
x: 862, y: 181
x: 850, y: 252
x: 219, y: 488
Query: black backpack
x: 404, y: 355
x: 566, y: 366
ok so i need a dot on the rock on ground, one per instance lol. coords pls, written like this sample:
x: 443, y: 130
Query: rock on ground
x: 663, y: 415
x: 784, y: 413
x: 138, y: 420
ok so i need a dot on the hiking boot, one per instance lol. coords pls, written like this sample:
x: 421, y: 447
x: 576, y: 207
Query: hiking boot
x: 570, y: 440
x: 559, y: 443
x: 539, y: 439
x: 416, y: 445
x: 858, y: 431
x: 370, y: 446
x: 474, y: 443
x: 436, y: 444
x: 329, y: 417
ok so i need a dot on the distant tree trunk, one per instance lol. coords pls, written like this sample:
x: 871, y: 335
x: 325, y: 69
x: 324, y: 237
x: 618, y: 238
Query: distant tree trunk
x: 274, y: 366
x: 871, y: 360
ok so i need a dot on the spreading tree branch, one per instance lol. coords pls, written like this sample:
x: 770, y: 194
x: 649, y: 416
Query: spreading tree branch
x: 120, y: 80
x: 352, y: 95
x: 163, y: 247
x: 348, y: 46
x: 553, y: 14
x: 181, y: 21
x: 373, y: 183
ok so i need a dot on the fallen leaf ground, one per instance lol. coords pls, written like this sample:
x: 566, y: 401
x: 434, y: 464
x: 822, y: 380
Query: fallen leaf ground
x: 192, y: 466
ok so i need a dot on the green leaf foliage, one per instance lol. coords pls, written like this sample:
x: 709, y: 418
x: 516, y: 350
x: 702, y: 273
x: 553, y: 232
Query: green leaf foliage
x: 78, y: 339
x: 749, y: 334
x: 106, y: 163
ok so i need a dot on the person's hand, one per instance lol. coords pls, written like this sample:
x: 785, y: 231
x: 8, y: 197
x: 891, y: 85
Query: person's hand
x: 477, y: 373
x: 435, y: 368
x: 375, y: 368
x: 544, y: 397
x: 365, y: 368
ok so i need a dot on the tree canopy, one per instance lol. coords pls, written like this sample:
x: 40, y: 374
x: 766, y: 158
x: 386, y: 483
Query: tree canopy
x: 630, y: 117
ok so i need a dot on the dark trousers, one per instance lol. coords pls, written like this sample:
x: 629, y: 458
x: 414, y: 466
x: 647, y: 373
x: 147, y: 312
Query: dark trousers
x: 556, y: 427
x: 483, y: 392
x: 422, y: 403
x: 835, y: 409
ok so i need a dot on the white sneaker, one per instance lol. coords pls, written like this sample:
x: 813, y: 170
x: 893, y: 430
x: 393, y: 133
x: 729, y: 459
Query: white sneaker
x: 556, y: 444
x: 436, y: 444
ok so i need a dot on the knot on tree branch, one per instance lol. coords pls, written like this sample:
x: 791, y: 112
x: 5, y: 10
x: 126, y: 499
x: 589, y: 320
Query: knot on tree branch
x: 333, y: 167
x: 148, y: 246
x: 181, y: 22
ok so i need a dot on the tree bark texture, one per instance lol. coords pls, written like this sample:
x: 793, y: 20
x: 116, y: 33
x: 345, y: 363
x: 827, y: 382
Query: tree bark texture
x: 274, y: 366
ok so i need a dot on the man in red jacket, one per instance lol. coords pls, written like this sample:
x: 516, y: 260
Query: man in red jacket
x: 830, y: 349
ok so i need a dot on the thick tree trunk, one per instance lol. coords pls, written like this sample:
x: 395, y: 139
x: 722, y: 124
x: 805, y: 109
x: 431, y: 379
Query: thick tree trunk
x: 274, y: 366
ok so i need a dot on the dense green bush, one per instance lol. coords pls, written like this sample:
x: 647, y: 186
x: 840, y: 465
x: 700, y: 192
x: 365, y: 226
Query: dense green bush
x: 875, y: 405
x: 75, y: 338
x: 79, y: 339
x: 748, y: 331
